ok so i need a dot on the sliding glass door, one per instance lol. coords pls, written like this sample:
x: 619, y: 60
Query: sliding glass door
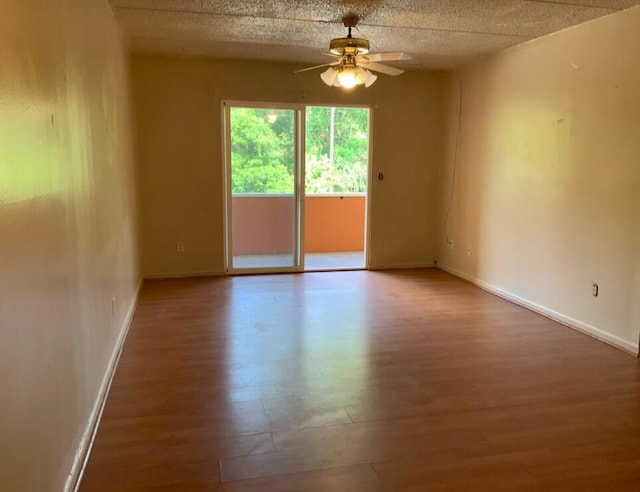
x: 263, y: 198
x: 276, y: 219
x: 336, y: 186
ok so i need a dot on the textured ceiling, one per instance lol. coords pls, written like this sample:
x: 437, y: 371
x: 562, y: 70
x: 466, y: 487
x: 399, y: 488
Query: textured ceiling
x: 438, y: 34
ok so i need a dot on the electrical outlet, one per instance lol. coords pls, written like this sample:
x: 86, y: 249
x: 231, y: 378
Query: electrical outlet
x: 469, y: 251
x: 180, y: 247
x: 594, y: 290
x: 452, y: 245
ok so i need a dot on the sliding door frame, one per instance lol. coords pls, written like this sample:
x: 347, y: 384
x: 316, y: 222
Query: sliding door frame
x: 298, y: 195
x: 299, y: 178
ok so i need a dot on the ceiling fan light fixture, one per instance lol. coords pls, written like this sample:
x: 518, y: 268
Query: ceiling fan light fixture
x: 354, y: 65
x: 348, y: 77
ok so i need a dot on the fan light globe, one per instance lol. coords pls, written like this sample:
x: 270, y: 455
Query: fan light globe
x: 329, y: 76
x: 347, y: 78
x: 369, y: 78
x: 360, y: 75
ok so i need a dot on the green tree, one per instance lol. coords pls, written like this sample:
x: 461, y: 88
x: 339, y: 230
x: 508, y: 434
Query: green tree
x: 337, y: 149
x: 261, y: 152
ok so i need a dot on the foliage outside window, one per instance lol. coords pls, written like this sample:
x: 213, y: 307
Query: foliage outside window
x: 262, y: 151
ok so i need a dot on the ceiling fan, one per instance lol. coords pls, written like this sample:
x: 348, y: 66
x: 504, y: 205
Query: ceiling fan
x: 354, y: 63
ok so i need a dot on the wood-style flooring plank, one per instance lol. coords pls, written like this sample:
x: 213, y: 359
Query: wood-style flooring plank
x: 361, y: 381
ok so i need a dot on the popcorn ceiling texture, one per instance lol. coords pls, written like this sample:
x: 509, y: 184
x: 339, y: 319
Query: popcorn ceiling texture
x: 437, y: 34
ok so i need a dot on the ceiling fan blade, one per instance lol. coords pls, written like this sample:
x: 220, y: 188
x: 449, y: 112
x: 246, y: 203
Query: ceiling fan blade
x: 379, y: 67
x: 391, y: 56
x: 317, y: 66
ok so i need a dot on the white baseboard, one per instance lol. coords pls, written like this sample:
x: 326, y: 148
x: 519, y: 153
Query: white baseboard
x: 86, y: 442
x: 204, y: 273
x: 585, y: 328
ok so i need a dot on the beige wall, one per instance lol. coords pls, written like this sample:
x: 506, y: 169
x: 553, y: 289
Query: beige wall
x: 180, y: 157
x: 547, y: 191
x: 67, y: 221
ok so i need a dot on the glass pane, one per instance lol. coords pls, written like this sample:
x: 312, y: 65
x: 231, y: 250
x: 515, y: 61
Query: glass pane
x: 336, y: 170
x: 263, y: 187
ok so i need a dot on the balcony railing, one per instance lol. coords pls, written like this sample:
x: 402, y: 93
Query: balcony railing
x: 263, y: 223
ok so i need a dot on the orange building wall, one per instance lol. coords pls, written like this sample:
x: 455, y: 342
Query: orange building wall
x: 334, y: 224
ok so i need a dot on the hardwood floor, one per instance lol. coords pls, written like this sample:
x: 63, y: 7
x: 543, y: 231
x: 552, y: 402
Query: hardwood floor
x: 361, y: 381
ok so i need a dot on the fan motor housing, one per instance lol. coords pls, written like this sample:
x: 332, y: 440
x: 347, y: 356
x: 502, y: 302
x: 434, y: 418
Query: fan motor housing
x: 349, y: 46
